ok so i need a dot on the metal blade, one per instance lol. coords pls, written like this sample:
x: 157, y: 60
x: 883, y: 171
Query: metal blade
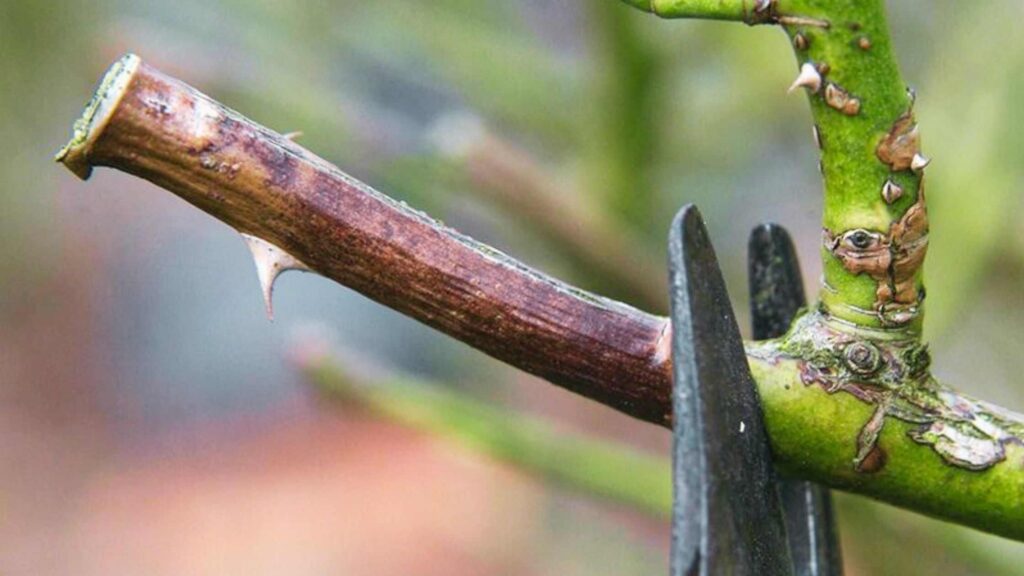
x: 776, y: 286
x: 776, y: 295
x: 726, y: 514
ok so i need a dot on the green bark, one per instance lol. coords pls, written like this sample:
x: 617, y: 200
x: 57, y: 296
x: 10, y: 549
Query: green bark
x: 848, y: 395
x: 814, y: 437
x: 857, y: 51
x: 872, y: 266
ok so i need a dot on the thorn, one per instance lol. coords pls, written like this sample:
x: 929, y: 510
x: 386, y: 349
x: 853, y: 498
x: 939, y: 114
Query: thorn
x: 270, y: 261
x: 800, y: 42
x: 891, y: 192
x: 919, y: 161
x: 808, y: 78
x: 293, y: 135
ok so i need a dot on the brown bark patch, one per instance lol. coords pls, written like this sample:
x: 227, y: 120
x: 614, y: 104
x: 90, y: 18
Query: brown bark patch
x: 898, y: 147
x: 892, y: 260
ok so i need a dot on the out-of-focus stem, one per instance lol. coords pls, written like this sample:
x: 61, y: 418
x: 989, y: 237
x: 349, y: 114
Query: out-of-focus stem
x: 510, y: 177
x: 622, y: 129
x: 599, y: 468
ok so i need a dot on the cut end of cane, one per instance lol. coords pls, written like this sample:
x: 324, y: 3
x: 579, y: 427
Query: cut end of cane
x: 75, y: 154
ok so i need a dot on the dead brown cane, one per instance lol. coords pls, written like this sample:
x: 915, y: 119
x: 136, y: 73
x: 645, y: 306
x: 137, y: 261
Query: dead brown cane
x: 299, y: 211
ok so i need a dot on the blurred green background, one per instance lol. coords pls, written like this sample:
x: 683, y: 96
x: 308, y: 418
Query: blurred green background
x: 151, y: 419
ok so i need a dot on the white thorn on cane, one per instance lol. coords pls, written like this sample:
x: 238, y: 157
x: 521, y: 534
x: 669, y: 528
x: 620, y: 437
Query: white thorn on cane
x: 270, y: 261
x: 809, y: 78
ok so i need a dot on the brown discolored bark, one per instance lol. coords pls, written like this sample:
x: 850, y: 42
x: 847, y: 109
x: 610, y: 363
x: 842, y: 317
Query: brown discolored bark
x: 264, y: 185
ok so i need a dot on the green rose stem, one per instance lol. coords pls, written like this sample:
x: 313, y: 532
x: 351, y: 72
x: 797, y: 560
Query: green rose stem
x: 870, y: 162
x: 938, y: 453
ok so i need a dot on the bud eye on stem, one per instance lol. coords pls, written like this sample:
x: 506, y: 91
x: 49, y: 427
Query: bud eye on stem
x: 860, y: 239
x: 862, y: 357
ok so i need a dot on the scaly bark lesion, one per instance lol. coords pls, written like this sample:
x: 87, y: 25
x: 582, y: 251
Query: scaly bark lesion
x: 891, y: 372
x: 893, y: 260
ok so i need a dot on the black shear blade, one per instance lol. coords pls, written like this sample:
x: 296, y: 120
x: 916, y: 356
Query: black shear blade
x: 776, y: 285
x: 726, y: 516
x: 776, y: 295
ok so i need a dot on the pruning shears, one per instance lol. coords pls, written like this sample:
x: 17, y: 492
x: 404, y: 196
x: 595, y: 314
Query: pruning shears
x: 731, y: 513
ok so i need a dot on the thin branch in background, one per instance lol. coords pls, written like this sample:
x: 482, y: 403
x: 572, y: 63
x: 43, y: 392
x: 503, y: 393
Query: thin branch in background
x: 510, y: 177
x: 622, y: 128
x: 597, y: 468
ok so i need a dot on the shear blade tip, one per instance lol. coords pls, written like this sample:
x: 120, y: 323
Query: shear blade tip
x: 688, y: 231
